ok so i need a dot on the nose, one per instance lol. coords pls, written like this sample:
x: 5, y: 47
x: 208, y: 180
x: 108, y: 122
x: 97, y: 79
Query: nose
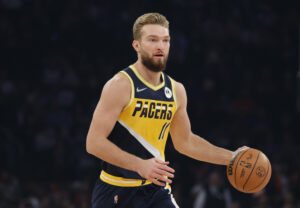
x: 161, y: 45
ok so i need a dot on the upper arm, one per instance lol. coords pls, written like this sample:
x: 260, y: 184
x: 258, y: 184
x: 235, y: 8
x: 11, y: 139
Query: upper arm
x: 180, y: 126
x: 114, y: 97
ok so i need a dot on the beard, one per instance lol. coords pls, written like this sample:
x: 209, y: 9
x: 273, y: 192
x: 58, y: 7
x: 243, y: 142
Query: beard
x: 152, y: 64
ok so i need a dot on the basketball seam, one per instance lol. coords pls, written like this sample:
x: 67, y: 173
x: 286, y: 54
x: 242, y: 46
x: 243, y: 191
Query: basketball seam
x: 262, y: 180
x: 237, y: 166
x: 251, y: 171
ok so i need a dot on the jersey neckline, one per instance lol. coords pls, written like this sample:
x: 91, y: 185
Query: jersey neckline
x: 151, y: 86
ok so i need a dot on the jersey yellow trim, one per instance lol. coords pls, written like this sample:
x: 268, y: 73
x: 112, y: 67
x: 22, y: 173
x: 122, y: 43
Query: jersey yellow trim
x: 123, y: 182
x: 168, y: 187
x: 145, y: 82
x: 132, y: 90
x: 174, y: 92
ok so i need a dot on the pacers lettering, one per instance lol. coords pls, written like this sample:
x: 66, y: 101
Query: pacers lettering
x: 138, y: 107
x: 163, y: 111
x: 169, y: 116
x: 151, y: 110
x: 155, y: 110
x: 145, y: 110
x: 158, y: 107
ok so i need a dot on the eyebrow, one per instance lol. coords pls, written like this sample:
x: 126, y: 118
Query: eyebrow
x: 167, y: 36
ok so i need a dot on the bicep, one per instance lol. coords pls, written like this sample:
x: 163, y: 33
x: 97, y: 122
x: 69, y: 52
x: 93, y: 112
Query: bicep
x: 180, y: 127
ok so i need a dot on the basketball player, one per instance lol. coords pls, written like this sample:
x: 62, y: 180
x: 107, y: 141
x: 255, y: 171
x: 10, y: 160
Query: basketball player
x: 137, y: 109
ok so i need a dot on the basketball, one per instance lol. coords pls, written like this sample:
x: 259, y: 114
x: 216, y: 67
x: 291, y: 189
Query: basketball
x: 249, y: 171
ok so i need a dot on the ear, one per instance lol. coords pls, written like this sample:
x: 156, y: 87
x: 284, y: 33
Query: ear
x: 136, y: 45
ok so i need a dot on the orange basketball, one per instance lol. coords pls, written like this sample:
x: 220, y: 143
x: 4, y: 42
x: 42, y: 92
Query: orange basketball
x: 249, y: 171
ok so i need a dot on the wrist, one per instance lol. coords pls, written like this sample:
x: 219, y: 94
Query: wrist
x: 230, y: 157
x: 137, y: 164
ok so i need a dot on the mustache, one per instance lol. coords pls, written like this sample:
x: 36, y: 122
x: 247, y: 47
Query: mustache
x: 159, y: 53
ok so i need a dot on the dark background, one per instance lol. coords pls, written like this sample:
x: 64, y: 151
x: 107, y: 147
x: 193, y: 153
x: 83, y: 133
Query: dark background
x: 238, y: 61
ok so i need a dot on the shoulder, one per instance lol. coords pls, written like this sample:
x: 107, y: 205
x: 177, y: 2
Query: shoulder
x: 179, y: 87
x: 119, y: 82
x: 117, y: 90
x: 119, y: 79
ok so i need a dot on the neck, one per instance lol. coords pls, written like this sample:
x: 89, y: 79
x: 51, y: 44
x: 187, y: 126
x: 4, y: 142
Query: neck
x: 152, y: 77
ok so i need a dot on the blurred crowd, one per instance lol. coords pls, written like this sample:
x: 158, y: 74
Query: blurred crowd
x: 237, y: 60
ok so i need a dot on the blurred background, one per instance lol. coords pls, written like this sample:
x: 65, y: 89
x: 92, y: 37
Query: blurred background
x: 237, y: 59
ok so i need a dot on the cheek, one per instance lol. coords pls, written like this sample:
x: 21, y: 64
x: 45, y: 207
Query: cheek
x: 168, y: 46
x: 144, y: 52
x: 147, y: 49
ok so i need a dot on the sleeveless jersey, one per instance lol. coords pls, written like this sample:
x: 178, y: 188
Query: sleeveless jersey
x: 143, y: 126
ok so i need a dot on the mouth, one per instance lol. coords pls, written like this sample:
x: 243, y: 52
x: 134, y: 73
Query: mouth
x: 159, y: 55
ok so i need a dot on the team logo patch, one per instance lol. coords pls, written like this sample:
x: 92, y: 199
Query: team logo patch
x: 168, y: 92
x: 116, y: 199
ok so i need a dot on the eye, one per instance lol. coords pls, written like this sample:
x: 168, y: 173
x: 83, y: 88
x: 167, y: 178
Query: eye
x: 166, y: 40
x: 152, y: 40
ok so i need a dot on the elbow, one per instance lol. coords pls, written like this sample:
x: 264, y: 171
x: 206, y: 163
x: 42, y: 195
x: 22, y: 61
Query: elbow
x: 182, y: 145
x: 88, y: 145
x: 179, y: 147
x: 91, y: 141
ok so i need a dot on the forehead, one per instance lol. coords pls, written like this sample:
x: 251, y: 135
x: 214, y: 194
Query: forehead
x: 154, y: 30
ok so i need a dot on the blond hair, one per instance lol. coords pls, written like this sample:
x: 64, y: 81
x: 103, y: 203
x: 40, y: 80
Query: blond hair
x: 146, y: 19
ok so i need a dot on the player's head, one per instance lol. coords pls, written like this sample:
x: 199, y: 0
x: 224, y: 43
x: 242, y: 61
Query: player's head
x: 152, y: 40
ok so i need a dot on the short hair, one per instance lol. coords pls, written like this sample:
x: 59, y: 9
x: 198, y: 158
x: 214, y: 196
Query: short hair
x: 147, y: 19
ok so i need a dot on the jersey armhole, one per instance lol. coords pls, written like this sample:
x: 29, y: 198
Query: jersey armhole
x: 132, y: 90
x: 174, y: 91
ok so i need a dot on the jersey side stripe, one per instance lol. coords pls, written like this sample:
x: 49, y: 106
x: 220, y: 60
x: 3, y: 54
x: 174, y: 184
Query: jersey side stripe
x: 154, y: 151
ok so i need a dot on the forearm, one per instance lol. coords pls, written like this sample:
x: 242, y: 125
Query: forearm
x: 200, y: 149
x: 109, y: 152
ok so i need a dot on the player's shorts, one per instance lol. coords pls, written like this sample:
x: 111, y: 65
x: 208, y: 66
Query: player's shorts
x: 147, y: 196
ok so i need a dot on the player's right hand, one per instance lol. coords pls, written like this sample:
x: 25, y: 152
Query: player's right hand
x: 155, y: 170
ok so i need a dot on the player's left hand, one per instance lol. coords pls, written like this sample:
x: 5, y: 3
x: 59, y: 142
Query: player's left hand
x: 156, y: 170
x: 240, y: 149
